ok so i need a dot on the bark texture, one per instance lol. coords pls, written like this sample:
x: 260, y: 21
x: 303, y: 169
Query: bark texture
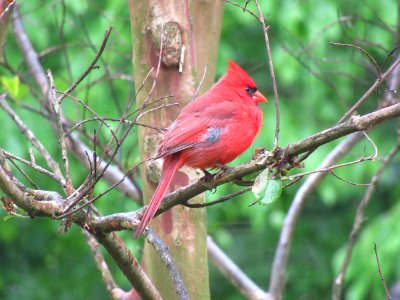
x: 188, y: 33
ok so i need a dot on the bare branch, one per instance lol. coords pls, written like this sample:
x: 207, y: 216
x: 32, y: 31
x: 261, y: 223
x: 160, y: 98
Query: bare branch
x: 36, y: 167
x: 330, y: 168
x: 47, y: 203
x: 376, y: 84
x: 128, y: 264
x: 167, y: 259
x: 101, y: 263
x: 378, y: 70
x: 114, y: 173
x: 358, y: 220
x: 34, y: 202
x: 388, y: 297
x: 200, y: 83
x: 90, y: 68
x: 220, y: 200
x: 277, y: 281
x: 31, y: 137
x: 271, y: 69
x: 355, y: 124
x: 234, y: 274
x: 60, y: 132
x: 245, y: 9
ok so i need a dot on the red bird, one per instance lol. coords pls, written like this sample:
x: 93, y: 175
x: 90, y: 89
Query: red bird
x: 211, y: 131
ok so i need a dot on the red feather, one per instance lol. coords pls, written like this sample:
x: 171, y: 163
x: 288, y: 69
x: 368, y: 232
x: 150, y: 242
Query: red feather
x: 212, y: 130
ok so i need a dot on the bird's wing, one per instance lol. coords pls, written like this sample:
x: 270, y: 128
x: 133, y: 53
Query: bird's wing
x: 192, y: 127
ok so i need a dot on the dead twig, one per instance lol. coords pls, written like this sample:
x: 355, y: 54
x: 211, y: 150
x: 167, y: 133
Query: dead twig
x: 365, y: 52
x: 272, y: 74
x: 388, y: 297
x: 220, y: 200
x: 31, y: 137
x: 88, y: 69
x: 60, y: 133
x: 376, y: 84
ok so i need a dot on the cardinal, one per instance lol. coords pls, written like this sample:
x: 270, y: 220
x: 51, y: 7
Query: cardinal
x: 210, y: 131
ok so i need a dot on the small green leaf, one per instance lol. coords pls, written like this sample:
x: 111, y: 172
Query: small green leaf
x: 260, y: 184
x: 11, y: 85
x: 267, y: 190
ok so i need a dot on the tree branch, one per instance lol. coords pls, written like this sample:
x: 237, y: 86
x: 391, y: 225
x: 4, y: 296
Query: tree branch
x: 114, y: 173
x: 355, y: 124
x: 235, y: 275
x: 277, y: 280
x: 128, y: 264
x: 357, y: 224
x: 271, y: 69
x: 167, y: 259
x: 47, y: 203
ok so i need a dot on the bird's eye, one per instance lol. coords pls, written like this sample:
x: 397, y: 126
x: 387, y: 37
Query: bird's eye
x: 251, y: 90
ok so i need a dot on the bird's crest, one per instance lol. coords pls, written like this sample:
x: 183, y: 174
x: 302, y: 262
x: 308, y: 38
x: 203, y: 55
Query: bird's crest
x: 236, y: 76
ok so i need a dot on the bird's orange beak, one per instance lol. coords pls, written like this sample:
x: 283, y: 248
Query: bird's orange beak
x: 258, y: 97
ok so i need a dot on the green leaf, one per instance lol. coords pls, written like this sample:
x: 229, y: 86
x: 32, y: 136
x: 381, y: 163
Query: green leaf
x: 267, y: 190
x: 260, y: 184
x: 11, y: 85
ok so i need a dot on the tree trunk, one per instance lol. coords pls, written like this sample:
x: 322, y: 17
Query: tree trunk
x: 190, y: 30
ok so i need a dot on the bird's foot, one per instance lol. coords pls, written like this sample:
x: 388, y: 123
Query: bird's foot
x: 285, y: 162
x: 207, y: 176
x: 223, y: 167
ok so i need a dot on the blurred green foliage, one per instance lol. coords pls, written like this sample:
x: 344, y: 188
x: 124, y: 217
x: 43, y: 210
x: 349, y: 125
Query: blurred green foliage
x: 317, y: 82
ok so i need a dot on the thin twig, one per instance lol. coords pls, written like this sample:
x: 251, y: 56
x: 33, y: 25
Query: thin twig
x: 271, y: 69
x: 305, y: 64
x: 245, y: 9
x: 358, y: 220
x: 62, y: 39
x: 376, y: 84
x: 156, y: 108
x: 113, y: 90
x: 78, y: 195
x: 330, y: 168
x: 277, y: 280
x: 103, y: 119
x: 36, y: 167
x: 74, y: 142
x: 378, y: 70
x: 90, y: 68
x: 388, y: 297
x: 31, y: 137
x: 220, y: 200
x: 27, y: 177
x: 348, y: 181
x: 60, y: 133
x: 200, y: 83
x: 89, y: 183
x: 88, y: 108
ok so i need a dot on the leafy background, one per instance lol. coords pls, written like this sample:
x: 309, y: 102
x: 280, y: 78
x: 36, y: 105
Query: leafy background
x: 317, y: 82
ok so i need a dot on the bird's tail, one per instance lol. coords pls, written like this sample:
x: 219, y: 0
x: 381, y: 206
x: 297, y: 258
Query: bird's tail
x: 170, y: 165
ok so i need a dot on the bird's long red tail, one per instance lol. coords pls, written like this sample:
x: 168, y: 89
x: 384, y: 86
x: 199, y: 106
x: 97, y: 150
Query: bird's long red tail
x: 171, y: 164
